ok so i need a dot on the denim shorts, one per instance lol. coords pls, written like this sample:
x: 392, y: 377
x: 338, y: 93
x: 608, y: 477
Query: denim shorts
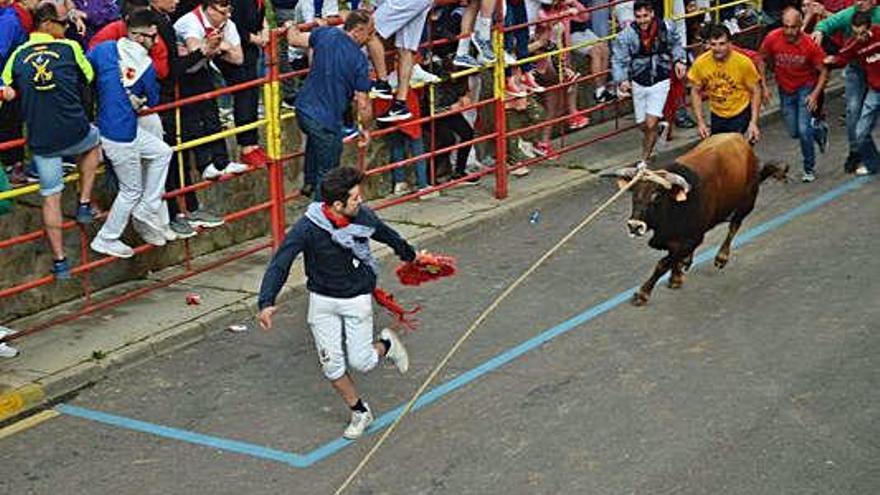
x: 49, y: 167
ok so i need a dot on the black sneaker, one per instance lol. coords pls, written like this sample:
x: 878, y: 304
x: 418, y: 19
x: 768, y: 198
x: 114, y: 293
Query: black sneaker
x: 458, y: 175
x: 381, y: 90
x: 307, y: 190
x: 61, y: 269
x: 397, y: 112
x: 683, y: 120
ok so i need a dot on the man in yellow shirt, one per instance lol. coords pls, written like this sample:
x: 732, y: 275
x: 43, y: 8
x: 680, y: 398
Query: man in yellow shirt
x: 731, y: 83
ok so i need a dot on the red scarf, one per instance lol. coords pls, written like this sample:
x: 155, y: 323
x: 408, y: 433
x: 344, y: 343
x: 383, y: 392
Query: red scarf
x: 647, y: 35
x: 338, y: 221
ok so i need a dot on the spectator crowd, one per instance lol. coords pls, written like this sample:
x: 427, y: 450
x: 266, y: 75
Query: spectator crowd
x: 79, y: 78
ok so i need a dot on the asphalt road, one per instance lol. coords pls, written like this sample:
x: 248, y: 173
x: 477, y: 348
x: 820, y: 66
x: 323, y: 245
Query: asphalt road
x: 762, y: 378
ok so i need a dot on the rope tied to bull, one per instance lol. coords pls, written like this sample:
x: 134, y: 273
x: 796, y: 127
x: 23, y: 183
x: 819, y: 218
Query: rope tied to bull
x: 640, y: 173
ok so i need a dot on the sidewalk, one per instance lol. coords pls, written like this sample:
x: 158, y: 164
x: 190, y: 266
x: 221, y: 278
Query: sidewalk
x: 63, y: 359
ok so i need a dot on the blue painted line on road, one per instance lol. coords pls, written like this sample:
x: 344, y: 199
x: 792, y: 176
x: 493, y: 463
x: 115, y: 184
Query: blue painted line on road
x: 183, y: 435
x: 434, y: 394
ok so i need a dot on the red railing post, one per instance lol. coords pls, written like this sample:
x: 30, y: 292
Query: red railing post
x: 500, y: 114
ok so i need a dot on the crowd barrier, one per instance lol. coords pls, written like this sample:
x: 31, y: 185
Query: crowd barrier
x: 271, y: 125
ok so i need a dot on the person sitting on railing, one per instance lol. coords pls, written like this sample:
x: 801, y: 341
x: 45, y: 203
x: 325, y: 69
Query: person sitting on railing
x: 405, y: 20
x: 549, y: 34
x: 140, y: 159
x: 339, y: 72
x: 406, y: 142
x: 50, y: 72
x: 250, y: 20
x: 16, y: 23
x: 644, y: 57
x: 520, y: 80
x: 598, y: 51
x: 476, y: 25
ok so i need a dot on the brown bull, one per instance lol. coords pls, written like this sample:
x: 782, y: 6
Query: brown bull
x: 715, y: 182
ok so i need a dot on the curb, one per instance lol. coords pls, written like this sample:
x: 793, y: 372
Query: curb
x: 45, y: 392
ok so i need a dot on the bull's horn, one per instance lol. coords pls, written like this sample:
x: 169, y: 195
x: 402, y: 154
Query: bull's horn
x: 677, y: 180
x: 623, y: 173
x: 655, y: 177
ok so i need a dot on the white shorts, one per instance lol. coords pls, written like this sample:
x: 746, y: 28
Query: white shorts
x: 649, y: 100
x: 329, y: 318
x: 403, y: 18
x: 584, y: 36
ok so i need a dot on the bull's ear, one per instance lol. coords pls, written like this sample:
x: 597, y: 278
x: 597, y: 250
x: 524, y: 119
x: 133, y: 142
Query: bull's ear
x: 621, y: 183
x: 680, y: 195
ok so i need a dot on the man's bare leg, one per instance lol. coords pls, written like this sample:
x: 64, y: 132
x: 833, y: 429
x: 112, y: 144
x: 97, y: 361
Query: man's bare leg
x: 52, y: 224
x: 88, y: 167
x: 405, y: 67
x: 649, y: 128
x: 345, y: 386
x: 376, y: 49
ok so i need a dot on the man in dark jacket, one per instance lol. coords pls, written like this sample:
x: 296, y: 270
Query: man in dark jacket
x: 341, y: 272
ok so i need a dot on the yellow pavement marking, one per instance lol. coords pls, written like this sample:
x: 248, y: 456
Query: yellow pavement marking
x: 28, y: 422
x: 20, y: 399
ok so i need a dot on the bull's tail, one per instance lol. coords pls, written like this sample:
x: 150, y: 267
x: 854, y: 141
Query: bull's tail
x: 776, y: 169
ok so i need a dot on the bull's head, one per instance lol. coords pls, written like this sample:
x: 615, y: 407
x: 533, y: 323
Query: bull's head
x: 653, y: 187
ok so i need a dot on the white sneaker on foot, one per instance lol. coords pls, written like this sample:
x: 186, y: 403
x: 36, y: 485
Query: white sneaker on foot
x: 358, y: 424
x: 235, y: 168
x: 149, y: 234
x: 211, y: 173
x: 420, y: 75
x: 114, y: 247
x: 397, y: 352
x: 402, y: 188
x: 862, y: 170
x: 6, y: 350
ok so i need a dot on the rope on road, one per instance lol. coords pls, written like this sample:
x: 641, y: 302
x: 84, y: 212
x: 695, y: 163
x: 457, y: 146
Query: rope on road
x: 480, y: 319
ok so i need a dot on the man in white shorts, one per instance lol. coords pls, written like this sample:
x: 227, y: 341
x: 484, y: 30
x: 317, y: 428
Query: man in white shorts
x: 405, y: 20
x: 643, y: 56
x: 334, y: 237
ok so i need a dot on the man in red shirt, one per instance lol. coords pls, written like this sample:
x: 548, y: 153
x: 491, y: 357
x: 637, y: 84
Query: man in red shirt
x: 801, y: 75
x: 864, y: 48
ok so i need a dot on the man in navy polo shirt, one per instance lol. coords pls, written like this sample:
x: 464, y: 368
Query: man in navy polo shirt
x: 339, y: 71
x: 50, y: 72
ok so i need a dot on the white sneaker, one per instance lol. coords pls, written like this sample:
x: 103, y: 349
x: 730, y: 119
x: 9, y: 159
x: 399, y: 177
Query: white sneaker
x: 152, y: 236
x: 114, y: 248
x: 420, y: 75
x: 359, y: 423
x: 397, y: 352
x: 235, y: 168
x: 211, y: 173
x: 401, y: 188
x: 862, y: 170
x: 520, y: 172
x: 527, y: 148
x: 808, y: 177
x: 6, y: 350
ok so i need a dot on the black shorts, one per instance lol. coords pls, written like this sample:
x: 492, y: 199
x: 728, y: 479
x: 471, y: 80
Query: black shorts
x: 738, y: 123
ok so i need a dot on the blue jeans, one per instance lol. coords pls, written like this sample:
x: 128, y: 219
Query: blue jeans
x: 855, y: 86
x: 517, y: 41
x: 323, y: 151
x: 399, y: 146
x: 797, y: 119
x: 600, y: 20
x: 864, y: 126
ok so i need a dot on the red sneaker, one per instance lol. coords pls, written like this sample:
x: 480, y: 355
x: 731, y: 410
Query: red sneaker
x: 527, y: 80
x: 255, y: 158
x: 515, y: 90
x: 545, y: 149
x: 578, y: 122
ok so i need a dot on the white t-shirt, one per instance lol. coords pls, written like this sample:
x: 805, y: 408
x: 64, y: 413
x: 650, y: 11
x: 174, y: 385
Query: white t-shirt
x: 192, y: 25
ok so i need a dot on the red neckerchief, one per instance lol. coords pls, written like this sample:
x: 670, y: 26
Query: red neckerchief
x: 338, y: 221
x: 647, y: 35
x: 206, y: 25
x: 24, y: 17
x: 261, y: 4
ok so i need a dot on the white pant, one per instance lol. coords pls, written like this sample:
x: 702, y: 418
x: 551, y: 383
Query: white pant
x: 328, y: 318
x: 141, y: 167
x: 649, y: 100
x: 405, y: 19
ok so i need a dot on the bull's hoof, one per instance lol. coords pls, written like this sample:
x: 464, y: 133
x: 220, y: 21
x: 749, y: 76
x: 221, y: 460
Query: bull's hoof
x: 676, y: 282
x: 639, y: 299
x: 721, y: 261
